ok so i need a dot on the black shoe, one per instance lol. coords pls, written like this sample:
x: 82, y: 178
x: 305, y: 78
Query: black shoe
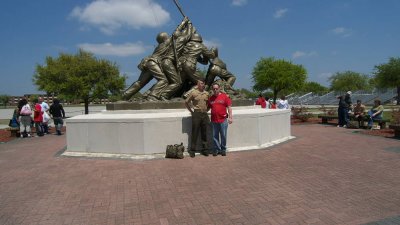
x: 215, y: 154
x: 205, y: 153
x: 192, y: 154
x: 223, y: 153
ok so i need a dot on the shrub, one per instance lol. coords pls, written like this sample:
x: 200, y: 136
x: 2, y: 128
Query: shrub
x: 301, y: 113
x: 396, y: 116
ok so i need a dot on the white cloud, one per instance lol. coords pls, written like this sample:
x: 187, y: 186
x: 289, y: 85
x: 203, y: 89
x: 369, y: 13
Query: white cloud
x: 343, y: 32
x: 280, y: 13
x: 111, y: 15
x: 126, y: 49
x: 239, y: 2
x: 299, y: 54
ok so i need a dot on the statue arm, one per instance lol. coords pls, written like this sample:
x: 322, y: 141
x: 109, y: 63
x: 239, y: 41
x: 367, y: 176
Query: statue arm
x: 208, y: 53
x: 182, y: 24
x: 184, y: 36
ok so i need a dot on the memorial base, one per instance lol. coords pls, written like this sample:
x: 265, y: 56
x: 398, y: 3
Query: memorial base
x: 148, y: 132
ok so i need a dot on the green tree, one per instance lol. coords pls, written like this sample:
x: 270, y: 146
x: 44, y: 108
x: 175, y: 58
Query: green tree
x: 387, y: 75
x: 314, y: 87
x: 33, y: 98
x: 79, y: 76
x: 4, y: 99
x: 278, y: 75
x: 349, y: 80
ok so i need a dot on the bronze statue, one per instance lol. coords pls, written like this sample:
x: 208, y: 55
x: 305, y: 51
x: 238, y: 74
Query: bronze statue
x: 174, y: 64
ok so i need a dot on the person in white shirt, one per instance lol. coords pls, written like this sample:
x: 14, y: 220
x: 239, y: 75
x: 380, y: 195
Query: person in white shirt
x: 25, y: 118
x: 46, y: 117
x: 283, y: 103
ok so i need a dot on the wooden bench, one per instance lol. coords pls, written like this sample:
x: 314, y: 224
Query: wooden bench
x: 13, y: 131
x: 326, y: 118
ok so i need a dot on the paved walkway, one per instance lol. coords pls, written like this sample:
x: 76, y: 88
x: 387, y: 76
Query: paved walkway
x: 327, y: 175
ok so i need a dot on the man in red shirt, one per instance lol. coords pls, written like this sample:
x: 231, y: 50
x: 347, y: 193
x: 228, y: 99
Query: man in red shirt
x: 221, y: 115
x: 261, y: 101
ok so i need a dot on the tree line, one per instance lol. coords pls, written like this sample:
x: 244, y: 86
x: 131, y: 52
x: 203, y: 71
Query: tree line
x: 278, y: 76
x: 86, y: 77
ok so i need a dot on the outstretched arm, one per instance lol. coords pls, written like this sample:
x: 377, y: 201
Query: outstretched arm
x: 182, y: 24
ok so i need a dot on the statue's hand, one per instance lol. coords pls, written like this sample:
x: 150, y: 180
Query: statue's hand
x: 186, y: 19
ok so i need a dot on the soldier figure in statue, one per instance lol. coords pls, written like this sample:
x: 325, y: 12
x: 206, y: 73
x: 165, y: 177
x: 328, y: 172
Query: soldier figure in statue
x: 170, y: 61
x: 151, y: 67
x: 218, y: 68
x: 193, y: 52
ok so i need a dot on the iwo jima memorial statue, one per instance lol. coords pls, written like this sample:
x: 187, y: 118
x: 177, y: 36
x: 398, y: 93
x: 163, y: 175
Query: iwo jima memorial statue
x: 143, y: 127
x: 173, y: 64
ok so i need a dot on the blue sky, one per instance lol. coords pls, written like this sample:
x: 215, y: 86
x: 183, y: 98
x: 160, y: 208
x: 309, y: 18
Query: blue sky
x: 324, y: 36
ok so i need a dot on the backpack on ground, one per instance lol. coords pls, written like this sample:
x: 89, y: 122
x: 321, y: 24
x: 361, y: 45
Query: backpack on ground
x: 175, y: 151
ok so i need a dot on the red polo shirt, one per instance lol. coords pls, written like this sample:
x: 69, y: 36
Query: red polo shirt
x: 218, y: 105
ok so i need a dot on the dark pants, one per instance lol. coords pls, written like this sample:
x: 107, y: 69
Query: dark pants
x: 343, y: 115
x: 45, y: 128
x: 39, y: 128
x: 200, y: 121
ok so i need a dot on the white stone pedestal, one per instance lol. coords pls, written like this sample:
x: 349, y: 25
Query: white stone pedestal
x: 146, y: 132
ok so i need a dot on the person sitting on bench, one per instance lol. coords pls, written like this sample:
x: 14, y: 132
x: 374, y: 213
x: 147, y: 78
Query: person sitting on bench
x: 375, y: 113
x: 359, y: 113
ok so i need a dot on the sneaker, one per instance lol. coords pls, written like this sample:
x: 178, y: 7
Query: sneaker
x: 338, y: 126
x: 215, y: 154
x: 344, y: 126
x: 223, y: 153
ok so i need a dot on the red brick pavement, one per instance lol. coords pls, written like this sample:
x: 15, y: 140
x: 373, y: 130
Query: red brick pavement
x: 327, y: 175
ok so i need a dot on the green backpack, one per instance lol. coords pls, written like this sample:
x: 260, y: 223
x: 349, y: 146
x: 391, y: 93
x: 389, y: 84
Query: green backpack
x: 175, y: 151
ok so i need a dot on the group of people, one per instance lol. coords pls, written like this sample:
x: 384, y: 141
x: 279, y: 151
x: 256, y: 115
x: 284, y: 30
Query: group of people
x: 346, y: 109
x: 173, y: 64
x: 39, y: 115
x: 266, y: 104
x: 199, y: 102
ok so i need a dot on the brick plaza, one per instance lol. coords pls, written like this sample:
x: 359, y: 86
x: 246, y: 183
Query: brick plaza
x: 327, y: 175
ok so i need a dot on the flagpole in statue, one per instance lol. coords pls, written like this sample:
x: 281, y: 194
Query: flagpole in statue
x: 179, y: 8
x: 173, y: 38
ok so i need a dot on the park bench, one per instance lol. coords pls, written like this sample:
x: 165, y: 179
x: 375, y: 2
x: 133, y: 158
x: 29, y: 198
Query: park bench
x: 13, y: 131
x: 326, y: 118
